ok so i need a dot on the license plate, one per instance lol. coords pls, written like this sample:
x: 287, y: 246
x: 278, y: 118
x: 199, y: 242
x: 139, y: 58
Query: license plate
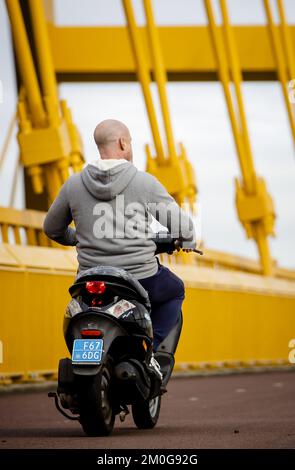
x: 87, y: 351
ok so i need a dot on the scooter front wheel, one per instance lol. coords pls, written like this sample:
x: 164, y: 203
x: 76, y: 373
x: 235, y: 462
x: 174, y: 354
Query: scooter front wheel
x: 146, y: 412
x: 97, y: 415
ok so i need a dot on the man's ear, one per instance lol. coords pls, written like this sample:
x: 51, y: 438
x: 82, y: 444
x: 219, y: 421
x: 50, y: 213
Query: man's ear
x: 122, y: 143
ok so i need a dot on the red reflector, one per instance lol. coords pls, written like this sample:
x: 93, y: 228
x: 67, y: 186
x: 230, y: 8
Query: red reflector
x: 92, y: 333
x: 95, y: 287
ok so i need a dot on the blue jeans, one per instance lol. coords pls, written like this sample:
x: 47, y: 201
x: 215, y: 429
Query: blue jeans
x: 166, y: 293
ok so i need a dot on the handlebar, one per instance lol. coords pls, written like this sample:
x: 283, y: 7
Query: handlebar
x: 166, y: 244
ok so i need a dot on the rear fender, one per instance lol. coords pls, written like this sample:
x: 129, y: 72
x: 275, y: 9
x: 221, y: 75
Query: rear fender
x: 109, y: 327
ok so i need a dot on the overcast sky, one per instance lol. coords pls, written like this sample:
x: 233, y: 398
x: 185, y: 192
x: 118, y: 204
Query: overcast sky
x: 167, y: 12
x: 199, y: 118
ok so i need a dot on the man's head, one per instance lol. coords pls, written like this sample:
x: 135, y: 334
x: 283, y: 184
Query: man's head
x: 113, y: 140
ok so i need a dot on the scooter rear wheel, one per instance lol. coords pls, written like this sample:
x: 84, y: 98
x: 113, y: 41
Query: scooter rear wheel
x: 146, y: 412
x: 97, y: 415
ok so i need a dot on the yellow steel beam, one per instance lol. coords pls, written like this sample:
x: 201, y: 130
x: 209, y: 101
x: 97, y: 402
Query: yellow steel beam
x: 260, y: 228
x: 160, y: 77
x: 26, y: 65
x: 289, y: 51
x: 55, y: 173
x: 223, y: 71
x: 287, y: 40
x: 144, y: 77
x: 280, y: 60
x: 48, y: 139
x: 254, y: 204
x: 44, y: 57
x: 246, y: 159
x: 186, y: 50
x: 174, y: 172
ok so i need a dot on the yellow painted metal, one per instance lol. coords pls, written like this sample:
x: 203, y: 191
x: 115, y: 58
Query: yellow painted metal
x: 233, y: 317
x: 160, y: 77
x: 172, y: 170
x: 44, y: 53
x: 26, y: 65
x: 37, y: 343
x: 245, y: 156
x: 187, y: 51
x: 28, y: 222
x: 178, y: 178
x: 278, y: 51
x: 31, y: 141
x: 254, y: 204
x: 288, y: 50
x: 143, y: 76
x: 179, y: 171
x: 287, y: 40
x: 76, y: 158
x: 42, y: 149
x: 229, y: 317
x: 31, y: 222
x: 51, y: 145
x: 239, y: 319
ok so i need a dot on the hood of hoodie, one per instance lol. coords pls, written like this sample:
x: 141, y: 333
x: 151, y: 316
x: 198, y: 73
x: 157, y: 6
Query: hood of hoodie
x: 106, y: 184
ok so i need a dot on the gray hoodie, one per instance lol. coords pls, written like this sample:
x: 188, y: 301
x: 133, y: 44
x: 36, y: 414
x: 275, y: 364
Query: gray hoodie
x: 111, y: 207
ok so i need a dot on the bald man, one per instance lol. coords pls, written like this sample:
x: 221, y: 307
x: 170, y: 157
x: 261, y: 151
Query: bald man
x: 111, y: 203
x: 113, y: 140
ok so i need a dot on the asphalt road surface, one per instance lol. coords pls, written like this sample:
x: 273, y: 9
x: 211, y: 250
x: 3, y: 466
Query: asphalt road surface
x: 234, y: 411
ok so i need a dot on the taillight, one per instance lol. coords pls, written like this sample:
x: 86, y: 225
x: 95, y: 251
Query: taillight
x: 95, y: 287
x: 91, y: 333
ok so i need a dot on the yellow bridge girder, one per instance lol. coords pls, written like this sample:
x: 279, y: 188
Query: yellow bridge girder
x: 101, y: 53
x: 48, y: 139
x: 174, y: 171
x: 231, y: 319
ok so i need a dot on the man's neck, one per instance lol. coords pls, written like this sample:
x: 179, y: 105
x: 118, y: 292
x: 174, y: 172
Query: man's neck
x: 108, y: 163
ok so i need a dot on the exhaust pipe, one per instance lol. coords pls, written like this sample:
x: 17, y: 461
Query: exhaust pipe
x: 135, y: 383
x: 125, y: 371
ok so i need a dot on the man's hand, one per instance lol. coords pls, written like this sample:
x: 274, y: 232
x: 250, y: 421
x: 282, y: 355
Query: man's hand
x: 178, y: 246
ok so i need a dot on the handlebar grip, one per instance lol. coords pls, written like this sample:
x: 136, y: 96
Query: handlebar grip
x: 165, y: 243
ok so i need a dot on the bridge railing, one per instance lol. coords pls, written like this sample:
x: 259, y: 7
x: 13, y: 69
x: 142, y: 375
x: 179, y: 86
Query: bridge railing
x: 24, y: 227
x: 232, y: 318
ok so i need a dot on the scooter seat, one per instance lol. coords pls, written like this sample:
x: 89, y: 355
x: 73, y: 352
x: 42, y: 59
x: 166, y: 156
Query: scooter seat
x: 111, y: 273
